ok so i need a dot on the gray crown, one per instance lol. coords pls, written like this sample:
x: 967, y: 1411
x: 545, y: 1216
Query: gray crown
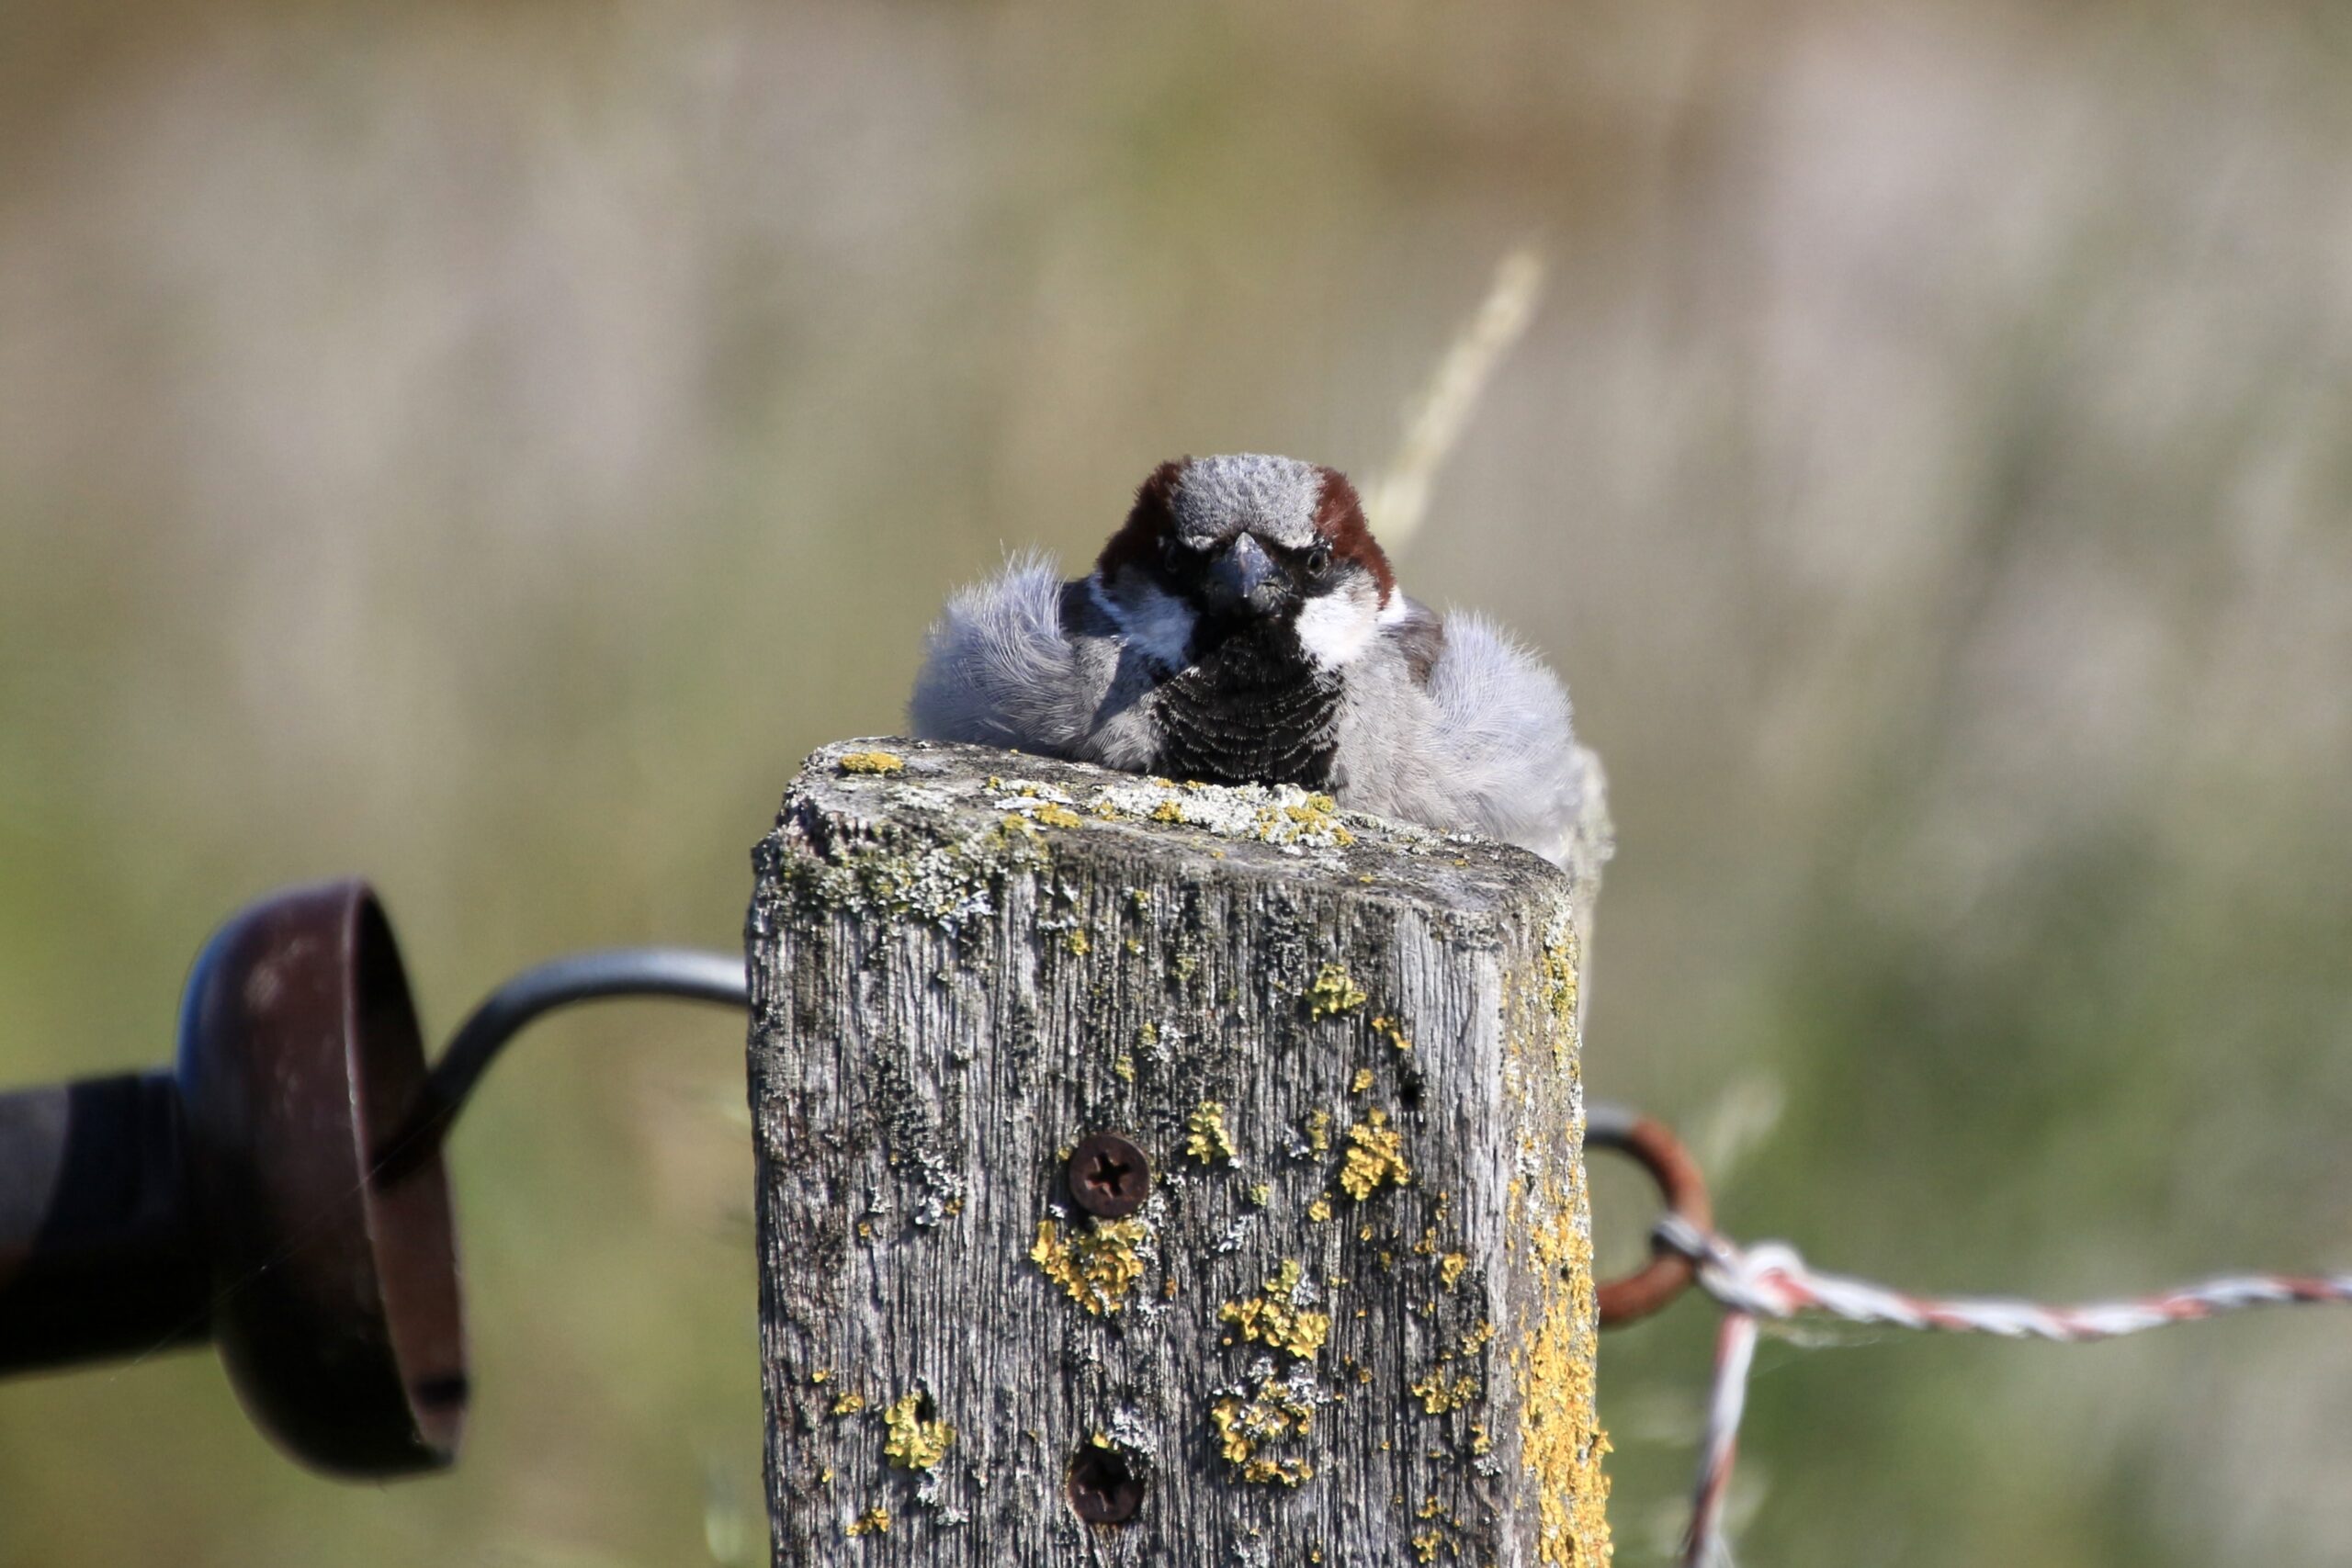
x: 1275, y: 497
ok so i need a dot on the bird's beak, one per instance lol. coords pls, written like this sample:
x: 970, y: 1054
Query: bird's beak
x: 1243, y: 577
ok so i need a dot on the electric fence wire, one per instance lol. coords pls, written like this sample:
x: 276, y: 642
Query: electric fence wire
x: 1773, y: 1280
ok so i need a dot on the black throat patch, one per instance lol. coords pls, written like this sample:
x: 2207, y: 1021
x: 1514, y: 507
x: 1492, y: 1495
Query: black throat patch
x: 1252, y: 709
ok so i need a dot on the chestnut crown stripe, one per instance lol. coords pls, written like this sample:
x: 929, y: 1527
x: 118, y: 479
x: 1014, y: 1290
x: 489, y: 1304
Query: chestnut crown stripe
x: 1338, y: 519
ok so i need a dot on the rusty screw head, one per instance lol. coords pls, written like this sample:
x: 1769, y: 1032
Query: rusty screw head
x: 1109, y: 1176
x: 1102, y: 1488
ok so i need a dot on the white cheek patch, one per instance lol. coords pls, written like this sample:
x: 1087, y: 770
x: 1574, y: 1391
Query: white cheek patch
x: 1157, y: 625
x: 1335, y: 627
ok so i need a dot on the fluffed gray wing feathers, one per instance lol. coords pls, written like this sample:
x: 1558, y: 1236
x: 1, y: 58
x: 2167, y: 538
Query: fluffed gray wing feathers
x: 1504, y: 730
x: 998, y: 671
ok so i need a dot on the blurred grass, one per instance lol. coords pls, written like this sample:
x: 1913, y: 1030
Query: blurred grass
x: 486, y: 446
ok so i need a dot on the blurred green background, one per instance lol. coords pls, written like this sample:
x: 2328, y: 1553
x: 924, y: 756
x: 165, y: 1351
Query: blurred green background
x: 485, y: 447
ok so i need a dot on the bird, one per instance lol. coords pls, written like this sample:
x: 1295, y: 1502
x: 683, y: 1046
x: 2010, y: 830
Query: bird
x: 1243, y: 626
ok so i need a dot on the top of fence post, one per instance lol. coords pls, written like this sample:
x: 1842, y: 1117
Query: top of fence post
x: 1160, y: 1173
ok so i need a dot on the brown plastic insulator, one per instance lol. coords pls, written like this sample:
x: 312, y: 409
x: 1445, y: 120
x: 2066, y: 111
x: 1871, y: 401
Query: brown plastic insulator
x: 240, y: 1198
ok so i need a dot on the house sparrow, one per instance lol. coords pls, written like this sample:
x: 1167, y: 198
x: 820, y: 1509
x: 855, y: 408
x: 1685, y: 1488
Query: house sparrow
x: 1243, y: 626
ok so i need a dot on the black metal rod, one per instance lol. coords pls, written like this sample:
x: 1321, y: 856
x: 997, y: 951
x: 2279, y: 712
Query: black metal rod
x: 680, y: 973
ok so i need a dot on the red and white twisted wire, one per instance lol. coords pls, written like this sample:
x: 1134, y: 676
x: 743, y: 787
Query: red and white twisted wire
x: 1772, y: 1280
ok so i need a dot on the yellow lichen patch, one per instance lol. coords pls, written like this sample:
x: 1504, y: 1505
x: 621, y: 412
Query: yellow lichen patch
x: 1362, y: 1082
x: 1057, y: 815
x: 1167, y: 811
x: 1333, y: 992
x: 1560, y: 964
x: 1261, y: 1194
x: 1274, y: 1318
x: 1550, y: 1352
x: 1313, y: 819
x: 874, y: 1521
x: 1078, y: 942
x: 1439, y: 1391
x: 1561, y: 1444
x: 848, y: 1403
x: 1205, y: 1137
x: 1450, y: 1268
x: 872, y: 763
x: 1425, y: 1546
x: 1475, y: 1338
x: 1275, y: 1414
x: 822, y: 1375
x: 1097, y: 1265
x: 1388, y: 1029
x: 1320, y: 1209
x: 913, y: 1443
x: 1376, y: 1155
x: 1261, y: 1471
x: 1318, y: 1131
x: 1124, y: 1068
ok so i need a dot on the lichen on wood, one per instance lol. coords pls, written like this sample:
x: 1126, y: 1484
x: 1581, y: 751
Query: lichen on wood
x: 1097, y: 1263
x: 964, y: 965
x: 1205, y: 1137
x: 1376, y: 1156
x: 1332, y: 992
x: 1278, y: 1317
x: 911, y: 1442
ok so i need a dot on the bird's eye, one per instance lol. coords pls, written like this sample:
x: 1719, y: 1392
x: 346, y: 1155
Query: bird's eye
x: 1318, y: 560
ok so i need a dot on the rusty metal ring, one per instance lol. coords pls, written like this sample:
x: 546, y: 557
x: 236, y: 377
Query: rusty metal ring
x: 1652, y: 1145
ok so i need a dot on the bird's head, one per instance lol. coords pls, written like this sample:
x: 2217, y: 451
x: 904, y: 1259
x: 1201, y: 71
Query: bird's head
x: 1216, y: 546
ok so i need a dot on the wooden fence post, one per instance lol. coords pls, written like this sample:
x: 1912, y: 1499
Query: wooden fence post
x: 1351, y: 1321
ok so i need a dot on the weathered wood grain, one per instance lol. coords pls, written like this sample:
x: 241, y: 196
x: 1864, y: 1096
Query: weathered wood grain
x: 1353, y: 1322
